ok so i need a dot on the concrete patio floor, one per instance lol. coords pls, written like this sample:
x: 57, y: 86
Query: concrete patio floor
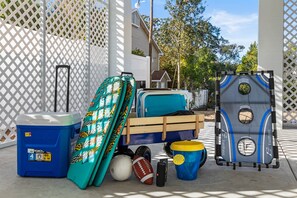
x: 213, y: 181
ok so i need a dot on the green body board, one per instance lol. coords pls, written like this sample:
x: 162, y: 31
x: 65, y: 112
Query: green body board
x: 116, y: 134
x: 109, y: 134
x: 97, y: 126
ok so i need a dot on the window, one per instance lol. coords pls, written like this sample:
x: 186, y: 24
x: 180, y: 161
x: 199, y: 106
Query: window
x: 135, y: 20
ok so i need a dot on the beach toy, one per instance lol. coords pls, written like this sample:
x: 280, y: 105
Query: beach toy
x: 121, y: 167
x: 187, y: 158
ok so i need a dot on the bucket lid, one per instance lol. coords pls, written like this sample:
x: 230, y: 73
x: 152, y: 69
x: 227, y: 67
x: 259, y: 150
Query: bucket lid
x: 187, y: 146
x: 49, y: 119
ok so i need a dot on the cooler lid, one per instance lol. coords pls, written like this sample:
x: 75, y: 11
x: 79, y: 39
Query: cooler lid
x: 49, y: 118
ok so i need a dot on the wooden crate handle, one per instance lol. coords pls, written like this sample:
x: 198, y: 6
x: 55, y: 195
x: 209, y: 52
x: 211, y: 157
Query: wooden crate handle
x: 164, y: 128
x: 128, y: 131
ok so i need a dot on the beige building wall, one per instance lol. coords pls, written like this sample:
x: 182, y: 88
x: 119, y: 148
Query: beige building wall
x: 140, y: 40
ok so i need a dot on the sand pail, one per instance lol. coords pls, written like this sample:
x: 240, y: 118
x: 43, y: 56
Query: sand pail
x: 187, y: 157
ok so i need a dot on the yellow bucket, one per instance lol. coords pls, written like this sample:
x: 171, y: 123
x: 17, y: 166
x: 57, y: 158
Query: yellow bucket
x: 187, y: 157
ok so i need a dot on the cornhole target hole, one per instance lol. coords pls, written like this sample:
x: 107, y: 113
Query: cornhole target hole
x: 245, y: 129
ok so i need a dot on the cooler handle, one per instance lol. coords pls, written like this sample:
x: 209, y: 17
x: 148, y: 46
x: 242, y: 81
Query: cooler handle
x: 127, y: 74
x: 56, y: 86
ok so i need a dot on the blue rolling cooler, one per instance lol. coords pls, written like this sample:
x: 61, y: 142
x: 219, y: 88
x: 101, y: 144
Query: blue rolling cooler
x: 158, y: 103
x: 45, y: 142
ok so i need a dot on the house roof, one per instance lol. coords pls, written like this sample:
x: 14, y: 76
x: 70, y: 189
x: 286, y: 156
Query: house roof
x: 146, y: 30
x: 157, y: 76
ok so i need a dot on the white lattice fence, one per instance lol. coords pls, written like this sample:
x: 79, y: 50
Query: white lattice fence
x: 20, y: 64
x: 290, y: 58
x: 37, y: 34
x: 99, y: 43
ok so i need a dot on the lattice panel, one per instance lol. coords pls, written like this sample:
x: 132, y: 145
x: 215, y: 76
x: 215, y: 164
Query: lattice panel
x: 67, y: 32
x: 290, y: 58
x: 20, y: 71
x: 66, y: 45
x: 62, y: 89
x: 98, y: 43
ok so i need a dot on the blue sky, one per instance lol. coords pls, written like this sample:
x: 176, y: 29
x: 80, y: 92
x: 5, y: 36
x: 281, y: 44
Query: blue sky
x: 238, y: 19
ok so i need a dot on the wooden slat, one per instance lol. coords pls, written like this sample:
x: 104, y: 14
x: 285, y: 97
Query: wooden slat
x: 163, y: 124
x: 181, y: 127
x: 197, y: 127
x: 200, y: 117
x: 170, y: 119
x: 164, y: 128
x: 144, y: 129
x: 149, y: 132
x: 159, y: 128
x: 146, y: 121
x: 128, y: 132
x: 185, y: 118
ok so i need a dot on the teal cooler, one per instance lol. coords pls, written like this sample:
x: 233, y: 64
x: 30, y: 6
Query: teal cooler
x: 45, y: 142
x: 187, y: 156
x: 157, y: 103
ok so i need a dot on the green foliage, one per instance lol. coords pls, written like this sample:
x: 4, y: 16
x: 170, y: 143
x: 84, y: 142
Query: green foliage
x: 18, y: 8
x: 249, y: 61
x: 199, y: 68
x: 180, y: 31
x: 138, y: 52
x: 189, y: 40
x: 244, y: 88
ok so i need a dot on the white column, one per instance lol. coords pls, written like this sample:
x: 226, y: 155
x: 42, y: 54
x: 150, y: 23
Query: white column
x: 270, y: 52
x: 148, y: 76
x: 120, y: 36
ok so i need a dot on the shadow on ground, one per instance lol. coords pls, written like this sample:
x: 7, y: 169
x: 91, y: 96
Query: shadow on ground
x: 213, y: 180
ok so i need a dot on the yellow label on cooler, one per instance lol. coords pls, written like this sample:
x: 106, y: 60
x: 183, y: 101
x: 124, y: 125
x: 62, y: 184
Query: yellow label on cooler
x: 47, y: 157
x: 178, y: 159
x: 28, y: 134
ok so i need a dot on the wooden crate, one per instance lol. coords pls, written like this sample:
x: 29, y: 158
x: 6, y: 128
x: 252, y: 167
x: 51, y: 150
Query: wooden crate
x: 164, y: 124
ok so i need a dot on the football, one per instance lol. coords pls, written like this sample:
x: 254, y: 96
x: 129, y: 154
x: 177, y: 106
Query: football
x: 143, y: 170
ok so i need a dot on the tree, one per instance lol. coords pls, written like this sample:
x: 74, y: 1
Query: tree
x: 200, y: 68
x: 185, y: 17
x: 185, y: 35
x: 16, y: 9
x: 138, y: 52
x: 249, y: 61
x: 190, y: 42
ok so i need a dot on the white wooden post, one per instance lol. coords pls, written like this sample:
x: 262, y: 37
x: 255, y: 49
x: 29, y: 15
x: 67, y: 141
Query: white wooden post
x: 120, y: 39
x: 270, y: 52
x: 148, y: 79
